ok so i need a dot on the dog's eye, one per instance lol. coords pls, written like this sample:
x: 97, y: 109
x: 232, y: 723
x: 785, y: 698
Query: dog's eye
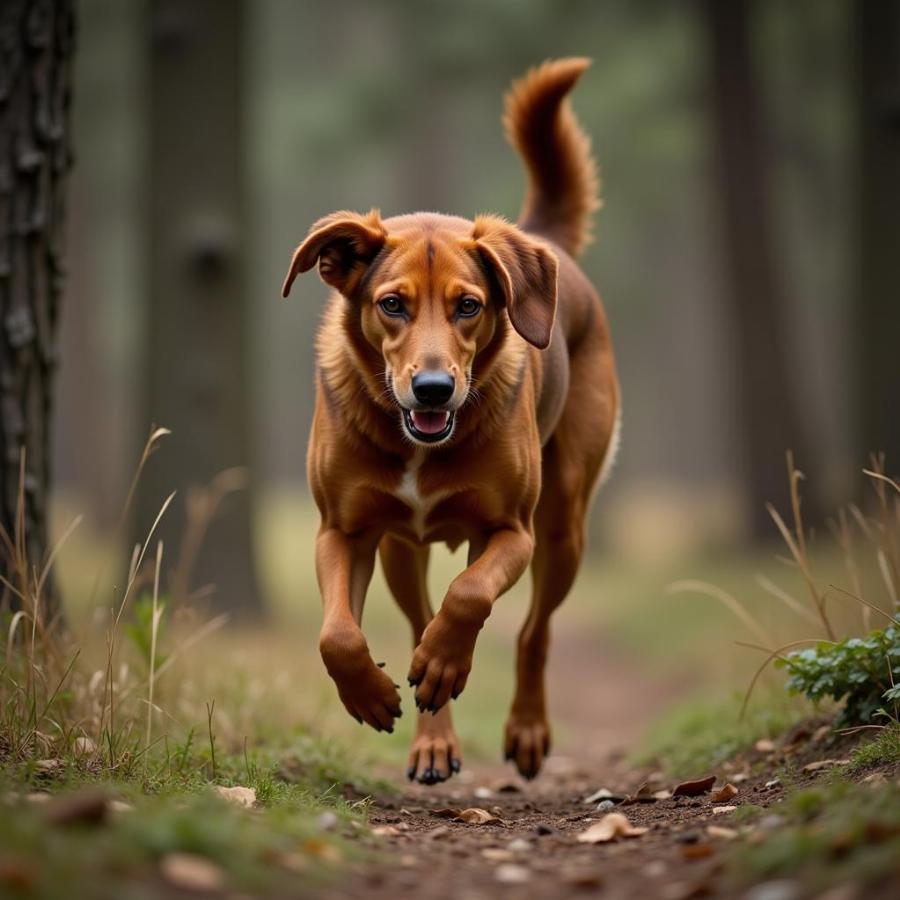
x: 392, y: 305
x: 468, y: 307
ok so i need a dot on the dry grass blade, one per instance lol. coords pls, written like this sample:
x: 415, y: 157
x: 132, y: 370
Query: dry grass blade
x: 790, y: 602
x: 154, y: 631
x: 710, y: 590
x: 773, y: 654
x: 871, y: 606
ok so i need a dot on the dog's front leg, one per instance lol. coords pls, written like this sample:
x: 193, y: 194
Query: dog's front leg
x: 443, y: 659
x: 344, y: 567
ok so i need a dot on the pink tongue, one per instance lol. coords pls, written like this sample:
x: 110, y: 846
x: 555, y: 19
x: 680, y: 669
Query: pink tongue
x: 430, y: 422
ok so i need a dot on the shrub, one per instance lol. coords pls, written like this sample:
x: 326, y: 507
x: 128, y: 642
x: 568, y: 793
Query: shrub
x: 857, y: 671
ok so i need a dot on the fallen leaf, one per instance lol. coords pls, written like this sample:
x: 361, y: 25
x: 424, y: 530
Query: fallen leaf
x: 84, y: 746
x: 191, y: 872
x: 718, y: 810
x: 611, y: 827
x: 717, y: 831
x: 322, y: 850
x: 507, y: 787
x: 510, y: 873
x: 476, y: 816
x: 694, y: 788
x: 662, y: 795
x: 696, y: 851
x: 88, y: 807
x: 583, y: 878
x: 242, y: 796
x: 386, y: 831
x: 824, y: 764
x: 49, y: 768
x: 496, y: 854
x: 726, y: 792
x: 764, y: 745
x: 446, y: 813
x: 604, y: 794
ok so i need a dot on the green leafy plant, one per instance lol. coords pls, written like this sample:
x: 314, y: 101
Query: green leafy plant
x: 857, y: 671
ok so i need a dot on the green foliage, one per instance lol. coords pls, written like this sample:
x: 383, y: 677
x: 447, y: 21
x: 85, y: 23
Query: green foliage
x: 857, y: 671
x: 883, y: 750
x: 140, y: 629
x: 699, y: 736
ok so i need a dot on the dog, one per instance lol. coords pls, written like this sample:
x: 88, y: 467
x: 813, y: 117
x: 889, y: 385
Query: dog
x: 466, y: 392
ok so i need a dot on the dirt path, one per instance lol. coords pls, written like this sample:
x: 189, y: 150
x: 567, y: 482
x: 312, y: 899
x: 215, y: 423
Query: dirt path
x: 602, y: 701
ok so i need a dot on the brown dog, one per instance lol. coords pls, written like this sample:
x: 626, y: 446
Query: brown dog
x: 466, y: 392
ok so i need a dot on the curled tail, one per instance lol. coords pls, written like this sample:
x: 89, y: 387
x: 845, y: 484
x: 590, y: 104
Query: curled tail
x: 563, y: 183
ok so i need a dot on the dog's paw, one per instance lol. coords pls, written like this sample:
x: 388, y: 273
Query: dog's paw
x: 434, y: 755
x: 442, y: 662
x: 368, y: 694
x: 527, y: 743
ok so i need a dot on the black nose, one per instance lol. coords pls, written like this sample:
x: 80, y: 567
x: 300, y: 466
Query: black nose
x: 432, y: 388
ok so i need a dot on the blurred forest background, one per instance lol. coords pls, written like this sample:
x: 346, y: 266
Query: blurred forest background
x: 746, y: 250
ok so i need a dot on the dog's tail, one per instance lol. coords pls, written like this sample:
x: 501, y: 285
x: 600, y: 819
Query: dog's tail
x: 563, y: 183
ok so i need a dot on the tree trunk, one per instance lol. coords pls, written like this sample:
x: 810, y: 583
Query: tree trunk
x: 196, y: 372
x: 36, y: 49
x: 768, y: 420
x: 878, y: 256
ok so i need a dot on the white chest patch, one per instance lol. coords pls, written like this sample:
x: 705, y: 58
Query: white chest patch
x: 408, y: 492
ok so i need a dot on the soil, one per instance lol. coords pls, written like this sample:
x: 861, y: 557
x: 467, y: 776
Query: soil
x: 533, y: 848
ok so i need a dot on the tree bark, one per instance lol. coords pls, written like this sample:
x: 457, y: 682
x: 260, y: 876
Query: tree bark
x: 196, y: 368
x: 768, y: 418
x: 36, y: 49
x: 878, y: 254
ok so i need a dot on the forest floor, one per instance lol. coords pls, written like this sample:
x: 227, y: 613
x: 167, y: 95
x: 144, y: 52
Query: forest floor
x: 534, y: 840
x: 800, y: 822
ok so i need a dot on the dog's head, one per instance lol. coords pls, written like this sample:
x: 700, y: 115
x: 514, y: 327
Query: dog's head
x: 431, y: 293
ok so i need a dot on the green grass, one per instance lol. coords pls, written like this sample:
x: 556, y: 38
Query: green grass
x: 882, y: 750
x: 832, y: 833
x: 698, y: 736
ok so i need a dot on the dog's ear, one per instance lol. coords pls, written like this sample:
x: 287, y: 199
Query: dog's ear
x: 526, y: 270
x: 343, y: 243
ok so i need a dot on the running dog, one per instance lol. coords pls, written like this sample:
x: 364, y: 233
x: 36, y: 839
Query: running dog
x: 466, y: 392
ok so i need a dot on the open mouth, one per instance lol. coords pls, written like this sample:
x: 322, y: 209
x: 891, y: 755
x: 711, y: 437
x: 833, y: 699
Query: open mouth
x: 428, y: 426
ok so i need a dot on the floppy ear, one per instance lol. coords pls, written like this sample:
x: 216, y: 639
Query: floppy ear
x: 343, y: 243
x: 526, y: 271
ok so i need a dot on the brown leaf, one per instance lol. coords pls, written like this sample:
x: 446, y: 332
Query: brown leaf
x: 724, y: 793
x: 697, y: 851
x: 820, y: 764
x: 446, y: 813
x: 694, y: 788
x: 241, y: 796
x: 88, y: 807
x: 322, y: 850
x: 611, y: 827
x: 717, y: 831
x: 191, y: 872
x: 475, y: 816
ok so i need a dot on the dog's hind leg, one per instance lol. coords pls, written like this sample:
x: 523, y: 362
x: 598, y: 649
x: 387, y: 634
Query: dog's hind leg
x: 571, y: 468
x: 434, y: 755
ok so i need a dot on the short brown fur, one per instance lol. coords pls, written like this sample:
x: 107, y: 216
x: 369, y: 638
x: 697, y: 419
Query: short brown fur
x: 504, y: 315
